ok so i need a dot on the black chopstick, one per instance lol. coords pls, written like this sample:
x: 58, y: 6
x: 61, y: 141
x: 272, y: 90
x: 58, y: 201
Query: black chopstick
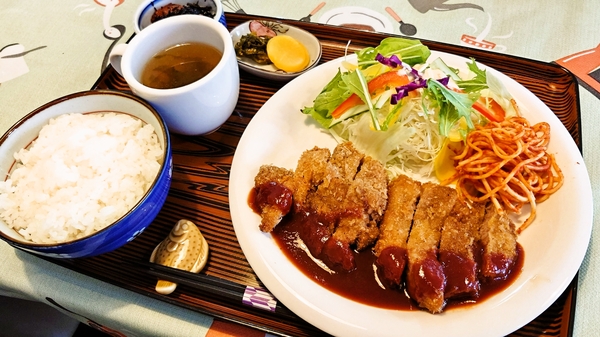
x: 226, y: 289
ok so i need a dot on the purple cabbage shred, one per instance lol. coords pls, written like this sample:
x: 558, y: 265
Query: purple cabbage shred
x: 419, y: 82
x: 392, y: 61
x: 444, y: 80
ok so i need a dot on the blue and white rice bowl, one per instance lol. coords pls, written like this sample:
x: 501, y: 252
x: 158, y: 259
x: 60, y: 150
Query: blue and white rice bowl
x: 133, y: 222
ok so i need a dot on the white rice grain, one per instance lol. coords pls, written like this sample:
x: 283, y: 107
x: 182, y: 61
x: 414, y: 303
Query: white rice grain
x: 83, y: 172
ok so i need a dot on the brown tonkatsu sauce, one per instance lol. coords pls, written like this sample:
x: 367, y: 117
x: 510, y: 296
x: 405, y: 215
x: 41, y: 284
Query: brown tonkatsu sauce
x: 359, y: 285
x: 363, y: 284
x: 271, y: 194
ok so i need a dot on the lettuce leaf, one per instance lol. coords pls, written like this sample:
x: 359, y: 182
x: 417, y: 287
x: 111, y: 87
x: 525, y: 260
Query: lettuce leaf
x: 357, y: 83
x: 332, y: 95
x: 438, y: 63
x: 452, y: 106
x: 486, y: 84
x: 344, y: 84
x: 409, y: 51
x: 477, y: 83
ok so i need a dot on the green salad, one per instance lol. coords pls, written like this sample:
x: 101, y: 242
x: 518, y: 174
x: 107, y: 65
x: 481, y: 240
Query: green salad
x: 401, y: 107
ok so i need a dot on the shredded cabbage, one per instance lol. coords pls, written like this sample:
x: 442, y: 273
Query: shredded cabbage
x: 408, y: 146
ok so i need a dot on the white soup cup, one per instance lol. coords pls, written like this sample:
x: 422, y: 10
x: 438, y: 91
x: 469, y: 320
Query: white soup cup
x: 201, y: 106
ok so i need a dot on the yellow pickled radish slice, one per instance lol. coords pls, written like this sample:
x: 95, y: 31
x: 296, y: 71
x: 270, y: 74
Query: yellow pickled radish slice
x: 287, y: 53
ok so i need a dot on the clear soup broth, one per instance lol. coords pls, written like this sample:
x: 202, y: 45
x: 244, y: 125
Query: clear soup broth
x: 180, y: 65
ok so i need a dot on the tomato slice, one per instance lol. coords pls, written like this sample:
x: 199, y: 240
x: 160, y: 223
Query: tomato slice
x: 376, y: 85
x: 490, y: 109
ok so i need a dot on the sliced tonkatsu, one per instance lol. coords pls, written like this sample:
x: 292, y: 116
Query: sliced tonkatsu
x: 355, y: 199
x: 427, y: 242
x: 273, y: 195
x: 312, y: 169
x: 367, y: 196
x: 457, y: 249
x: 347, y: 160
x: 425, y: 280
x: 499, y: 241
x: 345, y: 189
x: 403, y: 194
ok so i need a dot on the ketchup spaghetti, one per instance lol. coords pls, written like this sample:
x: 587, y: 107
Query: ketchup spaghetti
x: 507, y: 163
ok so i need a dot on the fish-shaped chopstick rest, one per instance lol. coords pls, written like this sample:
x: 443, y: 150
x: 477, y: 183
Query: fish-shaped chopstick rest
x: 185, y: 248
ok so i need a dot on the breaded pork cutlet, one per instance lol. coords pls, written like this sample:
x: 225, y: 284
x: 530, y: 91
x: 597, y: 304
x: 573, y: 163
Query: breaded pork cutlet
x: 328, y: 195
x: 425, y: 279
x: 457, y: 246
x: 273, y: 188
x: 312, y: 170
x: 347, y: 160
x: 499, y: 240
x: 352, y: 186
x: 346, y: 190
x: 367, y: 198
x: 403, y: 194
x: 354, y: 196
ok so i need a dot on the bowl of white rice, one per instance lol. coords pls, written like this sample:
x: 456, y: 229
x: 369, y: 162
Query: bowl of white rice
x: 83, y: 175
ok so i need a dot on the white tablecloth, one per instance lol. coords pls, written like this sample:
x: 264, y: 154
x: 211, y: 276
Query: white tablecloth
x: 65, y: 44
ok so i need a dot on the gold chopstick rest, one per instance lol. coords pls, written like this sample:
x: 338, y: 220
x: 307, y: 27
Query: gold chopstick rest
x: 185, y: 248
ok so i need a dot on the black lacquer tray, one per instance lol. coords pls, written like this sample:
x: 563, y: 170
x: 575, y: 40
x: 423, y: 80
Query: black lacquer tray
x: 199, y: 192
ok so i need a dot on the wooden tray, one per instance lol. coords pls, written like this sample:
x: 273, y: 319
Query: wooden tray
x: 199, y: 192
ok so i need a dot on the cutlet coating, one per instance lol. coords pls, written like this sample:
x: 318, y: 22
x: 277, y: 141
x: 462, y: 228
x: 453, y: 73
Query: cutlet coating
x: 271, y: 215
x: 457, y: 246
x: 461, y: 228
x: 425, y: 278
x: 499, y: 239
x: 347, y: 160
x: 356, y: 229
x: 403, y: 193
x: 331, y: 198
x: 434, y: 206
x: 270, y: 173
x: 358, y: 196
x: 312, y: 168
x: 370, y: 183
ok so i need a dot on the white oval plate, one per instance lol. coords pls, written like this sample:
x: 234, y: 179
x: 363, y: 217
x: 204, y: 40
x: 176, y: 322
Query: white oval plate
x: 554, y: 244
x: 269, y: 71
